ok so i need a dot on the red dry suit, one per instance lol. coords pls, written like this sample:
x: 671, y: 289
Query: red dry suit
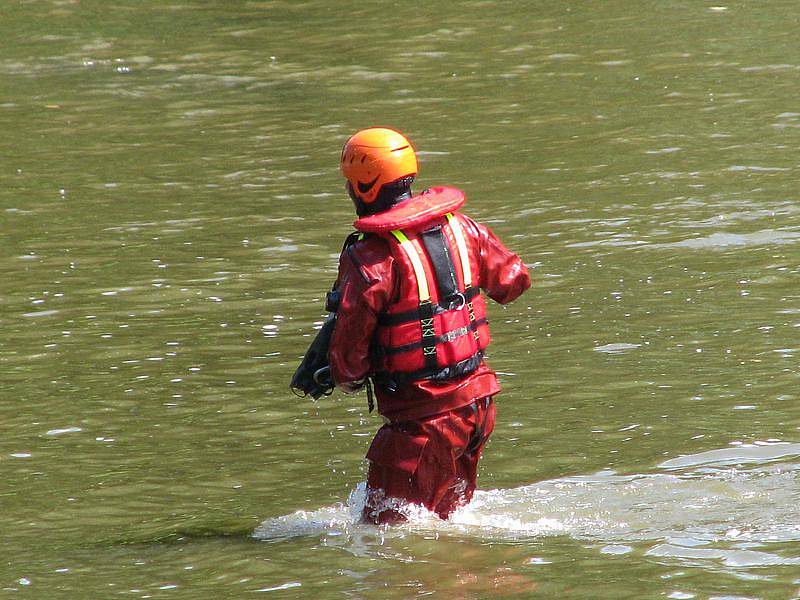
x: 412, y: 317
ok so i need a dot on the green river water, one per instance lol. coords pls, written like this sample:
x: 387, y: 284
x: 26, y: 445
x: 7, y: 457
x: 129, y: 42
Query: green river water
x: 172, y: 213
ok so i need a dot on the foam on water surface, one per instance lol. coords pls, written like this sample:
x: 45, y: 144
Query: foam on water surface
x: 729, y: 506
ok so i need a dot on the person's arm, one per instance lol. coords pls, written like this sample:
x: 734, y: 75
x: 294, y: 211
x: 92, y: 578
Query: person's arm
x: 365, y: 286
x: 504, y: 275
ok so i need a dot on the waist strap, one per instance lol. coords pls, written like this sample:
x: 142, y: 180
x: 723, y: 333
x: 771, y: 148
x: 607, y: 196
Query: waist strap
x: 391, y: 381
x: 439, y: 339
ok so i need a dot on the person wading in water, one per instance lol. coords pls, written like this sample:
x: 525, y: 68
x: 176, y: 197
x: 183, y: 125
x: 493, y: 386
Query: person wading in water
x: 411, y: 320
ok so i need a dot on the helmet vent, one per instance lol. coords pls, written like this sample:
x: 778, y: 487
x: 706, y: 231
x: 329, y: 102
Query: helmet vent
x: 401, y: 148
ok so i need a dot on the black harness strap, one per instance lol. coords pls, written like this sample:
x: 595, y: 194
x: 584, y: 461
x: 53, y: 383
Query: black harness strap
x: 440, y: 339
x: 352, y: 238
x: 459, y: 369
x: 439, y: 255
x: 443, y: 305
x: 347, y: 248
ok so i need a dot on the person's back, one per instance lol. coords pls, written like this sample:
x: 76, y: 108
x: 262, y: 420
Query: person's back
x: 412, y: 319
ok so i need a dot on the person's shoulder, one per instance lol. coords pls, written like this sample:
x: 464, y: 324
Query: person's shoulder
x: 466, y: 218
x: 370, y: 256
x: 367, y: 248
x: 471, y: 226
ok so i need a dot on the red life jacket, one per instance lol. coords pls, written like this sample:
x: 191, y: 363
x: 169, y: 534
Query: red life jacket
x: 437, y: 328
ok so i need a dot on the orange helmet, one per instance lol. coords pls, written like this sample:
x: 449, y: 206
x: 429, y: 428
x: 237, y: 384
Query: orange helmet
x: 374, y: 157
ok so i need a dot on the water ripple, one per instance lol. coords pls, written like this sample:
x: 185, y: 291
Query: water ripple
x: 722, y: 240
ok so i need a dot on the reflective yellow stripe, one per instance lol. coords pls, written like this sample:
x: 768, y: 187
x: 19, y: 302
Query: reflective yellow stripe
x: 462, y: 248
x: 419, y: 270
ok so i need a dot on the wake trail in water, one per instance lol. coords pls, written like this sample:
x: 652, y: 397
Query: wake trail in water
x: 718, y: 505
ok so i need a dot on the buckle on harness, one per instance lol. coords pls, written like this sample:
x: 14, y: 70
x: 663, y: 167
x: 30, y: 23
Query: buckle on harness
x: 457, y: 301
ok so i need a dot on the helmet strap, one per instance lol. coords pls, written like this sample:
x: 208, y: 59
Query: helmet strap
x: 390, y: 194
